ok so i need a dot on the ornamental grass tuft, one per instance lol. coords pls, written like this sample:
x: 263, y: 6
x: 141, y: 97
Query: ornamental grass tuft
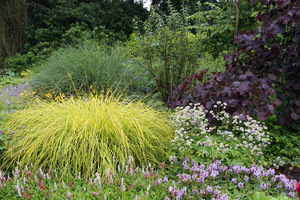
x: 86, y: 135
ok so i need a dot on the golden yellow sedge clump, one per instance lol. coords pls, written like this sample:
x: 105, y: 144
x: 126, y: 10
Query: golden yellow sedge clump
x: 83, y: 135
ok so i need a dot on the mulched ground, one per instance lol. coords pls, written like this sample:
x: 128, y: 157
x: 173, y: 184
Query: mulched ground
x: 290, y: 172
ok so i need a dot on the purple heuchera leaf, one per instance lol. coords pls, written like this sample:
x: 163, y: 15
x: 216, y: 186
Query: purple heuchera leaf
x: 262, y: 115
x: 232, y: 103
x: 295, y: 116
x: 209, y: 105
x: 276, y: 102
x: 272, y: 77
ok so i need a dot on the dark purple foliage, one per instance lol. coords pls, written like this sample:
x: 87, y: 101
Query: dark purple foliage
x: 267, y: 60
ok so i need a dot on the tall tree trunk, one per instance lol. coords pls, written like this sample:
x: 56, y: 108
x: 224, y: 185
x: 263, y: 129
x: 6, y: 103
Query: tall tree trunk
x: 13, y: 23
x: 238, y: 4
x: 3, y: 7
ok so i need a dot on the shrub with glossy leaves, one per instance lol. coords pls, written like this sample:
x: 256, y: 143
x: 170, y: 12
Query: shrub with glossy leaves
x: 84, y: 135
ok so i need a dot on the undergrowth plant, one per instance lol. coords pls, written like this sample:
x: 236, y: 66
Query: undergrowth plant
x: 84, y: 135
x: 234, y: 140
x: 194, y: 181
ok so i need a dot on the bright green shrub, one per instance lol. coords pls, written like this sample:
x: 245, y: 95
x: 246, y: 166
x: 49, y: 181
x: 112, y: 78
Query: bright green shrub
x: 84, y: 135
x: 169, y: 49
x: 85, y: 64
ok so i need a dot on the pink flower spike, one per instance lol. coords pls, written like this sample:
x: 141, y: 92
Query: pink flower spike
x: 91, y: 181
x: 29, y: 174
x: 111, y: 179
x: 71, y: 185
x: 28, y: 188
x: 42, y: 185
x: 116, y: 175
x: 36, y: 179
x: 41, y: 175
x: 162, y: 165
x: 100, y: 189
x: 95, y: 194
x: 22, y: 188
x: 64, y: 185
x: 134, y: 184
x: 68, y: 194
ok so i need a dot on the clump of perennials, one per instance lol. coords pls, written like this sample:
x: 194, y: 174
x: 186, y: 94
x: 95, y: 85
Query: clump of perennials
x: 233, y: 139
x: 194, y: 181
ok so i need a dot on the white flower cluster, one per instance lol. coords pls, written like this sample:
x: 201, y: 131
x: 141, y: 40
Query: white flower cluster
x: 193, y: 129
x: 190, y: 122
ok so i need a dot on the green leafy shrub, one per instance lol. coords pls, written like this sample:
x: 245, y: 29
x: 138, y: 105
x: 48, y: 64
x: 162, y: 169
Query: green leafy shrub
x: 229, y: 139
x: 83, y: 65
x: 84, y: 135
x: 261, y: 196
x: 168, y: 47
x: 17, y: 63
x: 285, y: 143
x: 207, y: 61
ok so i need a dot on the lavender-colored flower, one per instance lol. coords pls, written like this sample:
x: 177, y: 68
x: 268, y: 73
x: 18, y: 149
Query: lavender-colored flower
x: 186, y: 158
x: 292, y: 194
x: 240, y: 185
x: 201, y: 179
x: 246, y: 178
x: 166, y: 179
x: 148, y: 89
x: 159, y: 181
x: 224, y: 197
x: 234, y: 180
x: 194, y: 191
x: 214, y: 173
x: 209, y: 189
x: 167, y: 198
x: 263, y: 186
x: 217, y: 193
x: 0, y: 132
